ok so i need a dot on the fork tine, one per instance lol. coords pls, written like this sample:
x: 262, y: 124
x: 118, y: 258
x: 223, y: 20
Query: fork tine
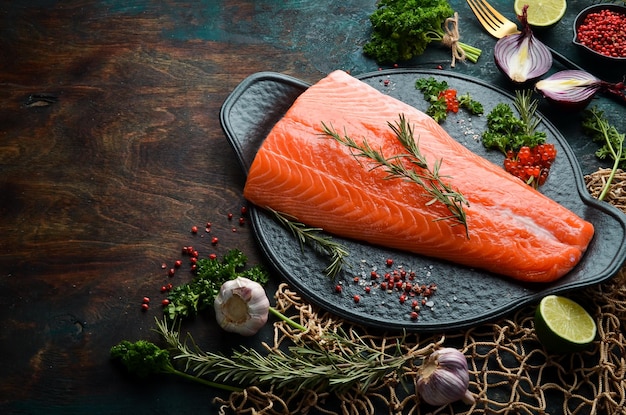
x: 494, y: 23
x: 496, y: 14
x: 485, y: 18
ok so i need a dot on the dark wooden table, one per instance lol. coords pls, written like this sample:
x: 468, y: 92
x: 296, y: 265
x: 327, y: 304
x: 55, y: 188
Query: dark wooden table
x: 111, y: 149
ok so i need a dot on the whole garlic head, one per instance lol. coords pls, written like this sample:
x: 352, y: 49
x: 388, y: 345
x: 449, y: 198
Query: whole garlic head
x: 444, y: 378
x: 241, y: 306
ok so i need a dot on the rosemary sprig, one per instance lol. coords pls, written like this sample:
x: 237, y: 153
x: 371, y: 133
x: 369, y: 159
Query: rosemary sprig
x: 428, y: 178
x: 309, y: 365
x: 304, y: 234
x: 527, y: 109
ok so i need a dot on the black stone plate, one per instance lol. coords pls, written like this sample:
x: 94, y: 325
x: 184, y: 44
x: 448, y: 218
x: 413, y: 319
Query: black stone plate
x: 464, y: 297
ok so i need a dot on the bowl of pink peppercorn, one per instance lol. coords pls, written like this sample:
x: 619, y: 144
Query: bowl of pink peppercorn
x: 601, y: 31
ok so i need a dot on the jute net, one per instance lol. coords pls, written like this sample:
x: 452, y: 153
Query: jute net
x: 510, y: 372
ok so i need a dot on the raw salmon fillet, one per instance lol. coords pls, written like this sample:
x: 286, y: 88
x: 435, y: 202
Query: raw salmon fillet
x: 513, y: 229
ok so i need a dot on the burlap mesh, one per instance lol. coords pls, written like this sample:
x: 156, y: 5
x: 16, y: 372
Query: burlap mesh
x: 510, y: 372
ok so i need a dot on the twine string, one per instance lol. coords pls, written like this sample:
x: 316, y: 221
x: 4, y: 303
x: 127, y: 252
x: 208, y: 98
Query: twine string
x: 510, y: 371
x: 451, y: 38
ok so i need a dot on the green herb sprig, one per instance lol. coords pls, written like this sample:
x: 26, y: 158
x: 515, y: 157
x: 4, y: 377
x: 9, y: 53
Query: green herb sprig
x: 143, y: 359
x: 402, y: 29
x: 334, y: 362
x: 505, y: 131
x: 188, y: 299
x: 431, y: 89
x: 470, y: 104
x: 596, y: 125
x: 437, y: 108
x: 428, y: 178
x: 304, y: 234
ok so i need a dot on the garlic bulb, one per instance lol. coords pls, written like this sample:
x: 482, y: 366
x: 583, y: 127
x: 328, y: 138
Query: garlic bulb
x: 444, y: 378
x: 241, y: 306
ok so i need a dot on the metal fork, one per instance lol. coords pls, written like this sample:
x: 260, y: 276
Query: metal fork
x: 494, y: 23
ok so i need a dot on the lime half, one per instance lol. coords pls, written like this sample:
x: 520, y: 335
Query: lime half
x: 562, y: 325
x: 542, y: 13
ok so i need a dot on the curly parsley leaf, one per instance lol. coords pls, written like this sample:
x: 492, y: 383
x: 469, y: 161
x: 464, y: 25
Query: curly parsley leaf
x: 472, y: 106
x: 505, y: 131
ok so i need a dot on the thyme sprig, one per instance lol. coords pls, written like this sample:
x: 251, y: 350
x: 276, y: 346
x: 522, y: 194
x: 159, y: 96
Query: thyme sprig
x: 304, y: 234
x: 597, y: 125
x: 334, y: 362
x: 426, y: 177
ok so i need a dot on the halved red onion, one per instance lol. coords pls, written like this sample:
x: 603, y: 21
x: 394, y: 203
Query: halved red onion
x: 570, y: 89
x: 521, y: 56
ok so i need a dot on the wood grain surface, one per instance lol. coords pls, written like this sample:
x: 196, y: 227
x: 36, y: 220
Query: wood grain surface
x: 110, y: 151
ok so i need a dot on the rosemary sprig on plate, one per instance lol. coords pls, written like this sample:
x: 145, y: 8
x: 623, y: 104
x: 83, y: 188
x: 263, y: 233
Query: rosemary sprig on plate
x: 527, y: 109
x: 304, y: 234
x: 425, y: 176
x: 335, y: 362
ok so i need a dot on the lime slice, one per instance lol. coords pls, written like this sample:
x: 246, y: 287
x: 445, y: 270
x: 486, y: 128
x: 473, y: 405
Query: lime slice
x: 542, y: 13
x: 562, y: 325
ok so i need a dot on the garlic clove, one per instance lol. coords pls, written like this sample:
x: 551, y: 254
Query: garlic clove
x: 241, y: 306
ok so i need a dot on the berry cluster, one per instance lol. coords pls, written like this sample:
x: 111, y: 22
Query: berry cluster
x: 452, y: 103
x: 532, y: 165
x: 604, y: 32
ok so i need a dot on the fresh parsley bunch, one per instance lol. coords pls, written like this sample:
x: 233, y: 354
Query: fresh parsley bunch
x: 402, y: 29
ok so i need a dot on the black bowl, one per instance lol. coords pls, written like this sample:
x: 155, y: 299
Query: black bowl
x: 579, y: 20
